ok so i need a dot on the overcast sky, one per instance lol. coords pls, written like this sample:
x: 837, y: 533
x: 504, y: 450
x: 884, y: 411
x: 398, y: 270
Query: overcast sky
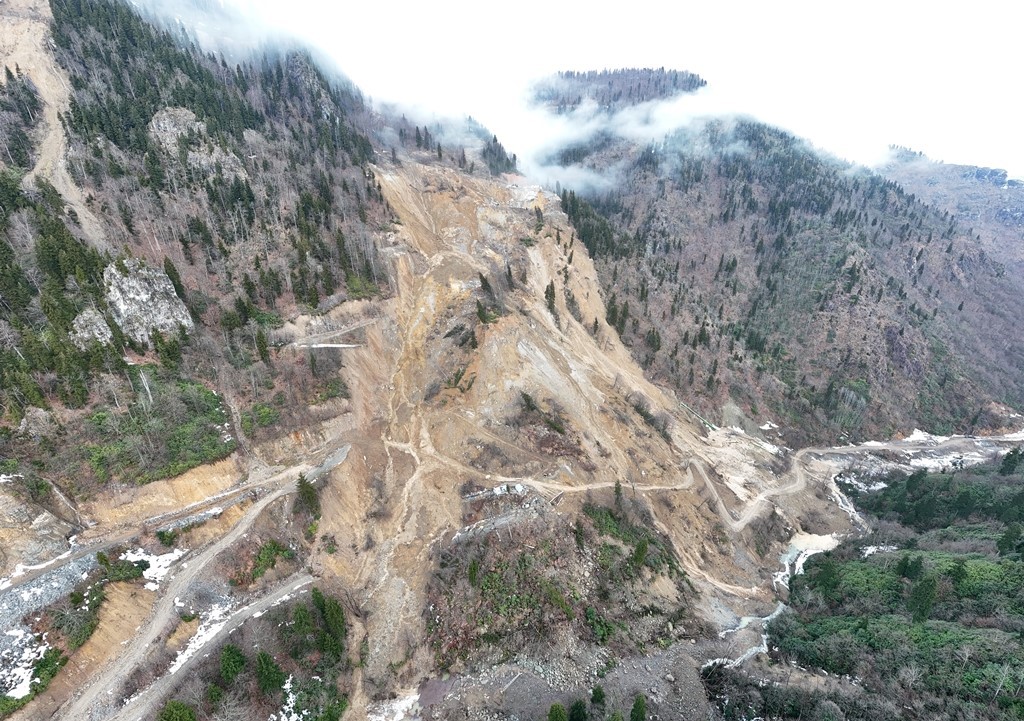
x: 940, y: 77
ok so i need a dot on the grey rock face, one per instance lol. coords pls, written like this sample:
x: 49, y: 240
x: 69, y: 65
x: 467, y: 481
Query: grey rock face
x: 143, y: 301
x: 90, y: 326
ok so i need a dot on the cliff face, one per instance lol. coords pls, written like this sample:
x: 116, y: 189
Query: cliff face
x: 142, y: 300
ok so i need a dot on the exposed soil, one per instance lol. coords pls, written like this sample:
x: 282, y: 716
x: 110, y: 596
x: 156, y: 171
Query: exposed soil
x: 125, y: 609
x: 25, y: 42
x: 433, y: 423
x: 122, y: 504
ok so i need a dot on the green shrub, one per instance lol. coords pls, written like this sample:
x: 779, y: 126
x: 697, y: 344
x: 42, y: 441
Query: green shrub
x: 269, y: 675
x: 232, y: 663
x: 177, y: 711
x: 266, y: 557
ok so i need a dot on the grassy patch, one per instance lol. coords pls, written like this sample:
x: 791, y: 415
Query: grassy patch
x: 180, y: 429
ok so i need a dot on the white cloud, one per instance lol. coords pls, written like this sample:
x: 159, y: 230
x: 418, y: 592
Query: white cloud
x: 852, y: 78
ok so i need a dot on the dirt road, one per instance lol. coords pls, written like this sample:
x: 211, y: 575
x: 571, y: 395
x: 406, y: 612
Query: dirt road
x: 144, y: 705
x: 95, y: 701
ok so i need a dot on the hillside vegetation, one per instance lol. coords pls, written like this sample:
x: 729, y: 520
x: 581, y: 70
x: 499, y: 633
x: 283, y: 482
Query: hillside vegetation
x: 247, y: 186
x: 924, y: 615
x: 742, y: 266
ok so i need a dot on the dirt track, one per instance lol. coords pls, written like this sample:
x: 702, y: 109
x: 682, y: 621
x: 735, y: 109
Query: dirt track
x: 145, y: 705
x: 417, y: 452
x: 93, y: 702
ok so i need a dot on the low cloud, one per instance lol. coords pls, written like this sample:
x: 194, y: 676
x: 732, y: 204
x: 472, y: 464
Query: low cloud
x: 852, y: 83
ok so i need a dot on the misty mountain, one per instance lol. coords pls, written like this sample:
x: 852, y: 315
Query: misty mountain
x: 611, y: 90
x: 310, y: 408
x: 743, y: 267
x: 985, y: 199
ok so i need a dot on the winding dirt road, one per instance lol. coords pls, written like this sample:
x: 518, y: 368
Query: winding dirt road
x: 144, y: 705
x: 95, y: 701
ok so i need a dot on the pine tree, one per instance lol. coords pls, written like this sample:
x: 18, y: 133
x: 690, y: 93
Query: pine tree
x: 639, y: 710
x: 557, y: 713
x: 269, y: 675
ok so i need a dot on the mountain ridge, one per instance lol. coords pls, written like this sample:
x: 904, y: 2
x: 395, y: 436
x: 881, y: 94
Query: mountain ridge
x: 405, y: 451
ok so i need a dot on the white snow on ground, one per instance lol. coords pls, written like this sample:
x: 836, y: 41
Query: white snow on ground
x: 399, y: 709
x: 771, y: 448
x: 10, y: 478
x: 17, y: 663
x: 846, y: 505
x: 21, y: 569
x: 872, y: 550
x: 769, y: 426
x: 919, y: 436
x: 949, y: 461
x: 210, y: 626
x: 801, y: 547
x: 159, y: 566
x: 753, y: 650
x: 851, y: 479
x: 288, y: 712
x: 215, y: 620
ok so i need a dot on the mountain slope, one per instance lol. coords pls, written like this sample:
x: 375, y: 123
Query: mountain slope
x: 743, y: 268
x: 271, y: 290
x: 341, y: 416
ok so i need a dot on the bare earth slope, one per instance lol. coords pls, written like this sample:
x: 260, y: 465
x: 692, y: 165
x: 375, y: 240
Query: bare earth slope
x: 478, y: 368
x: 25, y: 42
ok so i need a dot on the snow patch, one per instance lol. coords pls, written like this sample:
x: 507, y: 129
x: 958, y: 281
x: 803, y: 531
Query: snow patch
x: 21, y: 569
x: 919, y: 436
x: 288, y: 712
x: 872, y: 550
x: 10, y: 478
x: 399, y: 709
x: 951, y: 461
x: 801, y: 547
x: 851, y: 479
x: 208, y: 629
x: 159, y: 566
x: 18, y: 663
x: 753, y: 650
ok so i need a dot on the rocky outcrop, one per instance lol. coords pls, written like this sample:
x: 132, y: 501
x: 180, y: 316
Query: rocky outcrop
x: 90, y: 326
x: 169, y: 125
x: 37, y: 423
x: 142, y: 300
x: 28, y: 534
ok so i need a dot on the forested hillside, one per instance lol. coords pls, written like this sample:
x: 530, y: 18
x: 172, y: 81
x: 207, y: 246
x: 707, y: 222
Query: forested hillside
x: 247, y: 187
x: 742, y: 266
x: 612, y: 90
x: 985, y: 198
x: 921, y: 620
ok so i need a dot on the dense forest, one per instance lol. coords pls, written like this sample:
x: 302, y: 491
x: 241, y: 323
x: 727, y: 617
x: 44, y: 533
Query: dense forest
x: 919, y: 620
x: 740, y: 265
x: 613, y: 89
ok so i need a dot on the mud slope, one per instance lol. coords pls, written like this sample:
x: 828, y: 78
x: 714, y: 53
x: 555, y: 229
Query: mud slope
x: 438, y: 418
x: 25, y: 42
